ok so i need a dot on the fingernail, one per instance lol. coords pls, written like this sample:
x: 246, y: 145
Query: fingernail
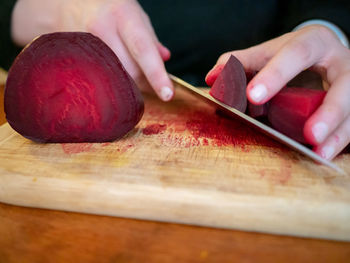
x: 320, y: 131
x: 327, y: 152
x: 258, y: 93
x: 166, y: 93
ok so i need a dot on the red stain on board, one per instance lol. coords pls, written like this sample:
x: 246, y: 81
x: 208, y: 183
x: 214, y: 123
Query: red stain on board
x: 154, y: 129
x: 125, y: 148
x: 192, y: 123
x: 278, y: 174
x: 73, y: 148
x: 205, y: 142
x: 208, y: 128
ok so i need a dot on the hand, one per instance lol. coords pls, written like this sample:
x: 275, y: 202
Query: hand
x: 121, y: 24
x: 281, y: 59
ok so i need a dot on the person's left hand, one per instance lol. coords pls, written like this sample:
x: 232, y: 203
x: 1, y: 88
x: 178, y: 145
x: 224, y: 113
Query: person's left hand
x: 281, y: 59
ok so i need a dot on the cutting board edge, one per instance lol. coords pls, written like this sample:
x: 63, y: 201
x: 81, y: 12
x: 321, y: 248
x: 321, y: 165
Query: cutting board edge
x: 325, y: 236
x: 6, y: 132
x: 188, y: 212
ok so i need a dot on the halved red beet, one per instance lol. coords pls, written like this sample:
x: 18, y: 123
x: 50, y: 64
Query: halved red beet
x: 230, y: 85
x: 291, y: 107
x: 71, y: 87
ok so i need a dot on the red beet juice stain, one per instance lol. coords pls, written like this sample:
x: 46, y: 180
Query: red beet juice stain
x: 73, y: 148
x: 154, y: 129
x: 222, y: 131
x: 191, y: 125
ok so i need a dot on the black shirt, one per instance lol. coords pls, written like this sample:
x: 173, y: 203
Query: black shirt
x: 198, y: 32
x: 8, y: 50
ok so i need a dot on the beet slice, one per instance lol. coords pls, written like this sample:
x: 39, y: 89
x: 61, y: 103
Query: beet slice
x: 258, y: 111
x: 230, y: 85
x: 291, y: 107
x: 71, y: 87
x: 250, y: 75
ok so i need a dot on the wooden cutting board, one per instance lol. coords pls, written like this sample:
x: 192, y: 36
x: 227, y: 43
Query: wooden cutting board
x: 182, y: 163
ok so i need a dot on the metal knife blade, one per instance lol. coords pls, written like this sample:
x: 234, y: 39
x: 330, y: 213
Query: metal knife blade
x: 256, y: 124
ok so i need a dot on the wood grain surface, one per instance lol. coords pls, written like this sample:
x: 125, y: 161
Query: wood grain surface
x: 38, y: 235
x: 182, y: 163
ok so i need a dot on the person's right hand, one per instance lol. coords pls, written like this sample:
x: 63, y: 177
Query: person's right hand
x: 121, y: 24
x: 279, y: 60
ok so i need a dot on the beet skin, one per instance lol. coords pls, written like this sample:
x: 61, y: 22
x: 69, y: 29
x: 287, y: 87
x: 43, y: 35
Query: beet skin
x: 71, y: 87
x: 230, y: 85
x: 291, y: 107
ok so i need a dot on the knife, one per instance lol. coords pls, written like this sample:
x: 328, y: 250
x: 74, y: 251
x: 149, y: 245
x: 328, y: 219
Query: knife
x: 255, y: 124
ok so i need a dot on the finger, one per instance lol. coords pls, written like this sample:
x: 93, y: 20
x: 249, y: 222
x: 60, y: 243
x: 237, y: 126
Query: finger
x: 118, y: 47
x: 333, y: 111
x: 253, y: 58
x: 116, y: 44
x: 213, y: 74
x: 336, y: 142
x: 142, y: 48
x: 244, y: 56
x: 163, y: 51
x: 102, y: 29
x: 295, y: 56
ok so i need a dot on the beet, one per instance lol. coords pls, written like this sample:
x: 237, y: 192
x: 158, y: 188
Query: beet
x: 250, y: 75
x: 258, y: 111
x: 71, y: 87
x: 291, y: 107
x: 230, y: 85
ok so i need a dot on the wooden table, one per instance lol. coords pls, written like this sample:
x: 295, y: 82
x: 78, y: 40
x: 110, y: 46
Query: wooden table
x: 37, y: 235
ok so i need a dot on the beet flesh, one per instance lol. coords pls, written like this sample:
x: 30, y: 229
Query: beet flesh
x: 291, y: 107
x: 71, y: 87
x: 230, y: 85
x: 258, y: 111
x: 250, y: 75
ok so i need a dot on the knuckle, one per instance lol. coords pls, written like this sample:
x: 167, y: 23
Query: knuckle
x: 119, y: 9
x: 155, y: 75
x: 277, y: 74
x: 137, y: 46
x: 301, y: 49
x: 337, y: 112
x: 323, y: 36
x: 94, y: 26
x: 224, y: 57
x: 324, y: 33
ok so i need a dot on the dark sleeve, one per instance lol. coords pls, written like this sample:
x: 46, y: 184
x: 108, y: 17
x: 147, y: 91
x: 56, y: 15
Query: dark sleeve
x: 198, y: 32
x: 337, y: 12
x: 8, y: 50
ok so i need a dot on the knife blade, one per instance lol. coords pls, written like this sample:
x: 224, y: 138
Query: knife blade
x: 256, y: 124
